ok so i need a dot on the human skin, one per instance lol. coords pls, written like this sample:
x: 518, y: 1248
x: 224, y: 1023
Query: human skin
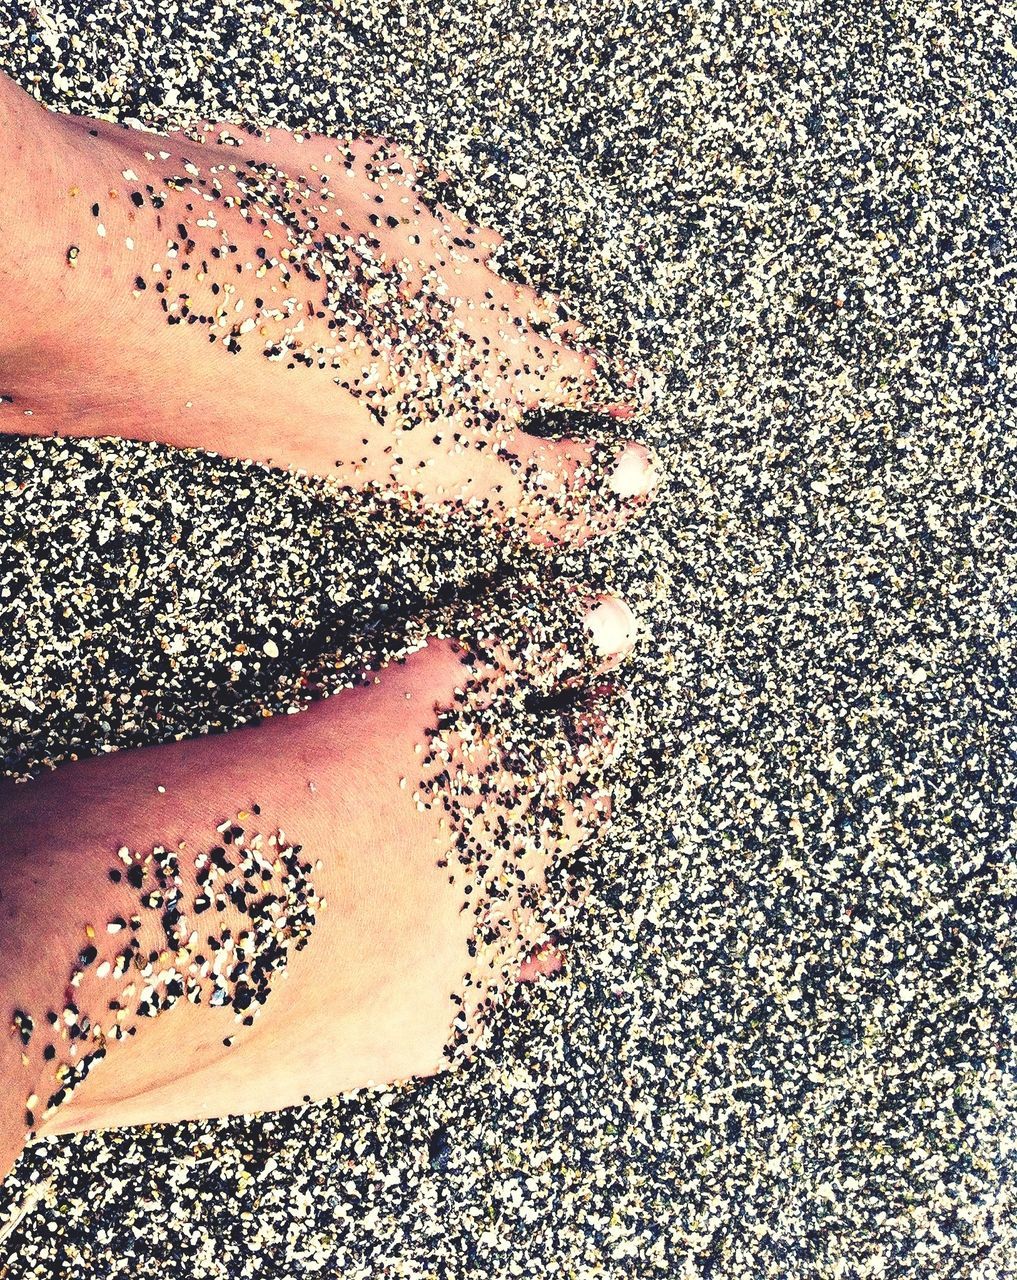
x: 424, y: 879
x: 330, y: 320
x: 85, y: 351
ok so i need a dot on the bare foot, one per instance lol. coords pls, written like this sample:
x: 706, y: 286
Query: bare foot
x: 296, y: 301
x: 385, y: 851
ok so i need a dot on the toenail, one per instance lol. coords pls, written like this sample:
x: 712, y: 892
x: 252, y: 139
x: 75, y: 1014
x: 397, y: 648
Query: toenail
x: 634, y: 474
x: 612, y: 625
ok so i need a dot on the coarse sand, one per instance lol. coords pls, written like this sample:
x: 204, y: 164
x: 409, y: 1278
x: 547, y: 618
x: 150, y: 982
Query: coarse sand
x: 782, y: 1045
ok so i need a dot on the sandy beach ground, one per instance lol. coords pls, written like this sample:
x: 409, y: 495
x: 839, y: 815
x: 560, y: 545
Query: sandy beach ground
x: 783, y: 1043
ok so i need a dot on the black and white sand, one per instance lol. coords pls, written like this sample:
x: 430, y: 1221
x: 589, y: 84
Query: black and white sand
x: 783, y: 1045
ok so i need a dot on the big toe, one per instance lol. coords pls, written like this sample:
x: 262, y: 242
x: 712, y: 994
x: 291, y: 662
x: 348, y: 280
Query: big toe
x: 553, y: 493
x: 568, y: 491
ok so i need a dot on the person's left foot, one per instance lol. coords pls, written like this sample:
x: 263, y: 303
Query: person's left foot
x: 297, y: 301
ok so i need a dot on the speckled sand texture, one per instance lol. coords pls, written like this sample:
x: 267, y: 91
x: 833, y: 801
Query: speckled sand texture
x: 783, y: 1046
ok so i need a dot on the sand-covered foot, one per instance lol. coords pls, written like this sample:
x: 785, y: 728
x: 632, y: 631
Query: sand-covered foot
x: 236, y: 923
x: 297, y: 301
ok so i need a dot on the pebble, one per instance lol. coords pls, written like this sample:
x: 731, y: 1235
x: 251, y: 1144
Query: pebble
x: 439, y: 1151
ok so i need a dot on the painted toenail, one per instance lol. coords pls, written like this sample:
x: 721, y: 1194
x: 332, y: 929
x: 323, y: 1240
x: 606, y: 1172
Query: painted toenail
x: 612, y: 625
x: 634, y: 474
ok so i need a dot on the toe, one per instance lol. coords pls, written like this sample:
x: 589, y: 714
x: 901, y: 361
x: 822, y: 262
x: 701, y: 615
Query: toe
x: 568, y: 491
x: 529, y: 767
x: 613, y: 627
x: 553, y: 493
x: 583, y: 748
x: 563, y: 376
x: 389, y: 163
x: 487, y: 240
x: 537, y: 645
x: 542, y: 962
x: 552, y: 364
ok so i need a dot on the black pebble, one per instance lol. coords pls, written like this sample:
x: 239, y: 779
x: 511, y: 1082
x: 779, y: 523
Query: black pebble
x: 439, y: 1152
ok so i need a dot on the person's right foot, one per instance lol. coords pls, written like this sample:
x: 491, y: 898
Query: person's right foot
x: 297, y: 303
x: 386, y: 852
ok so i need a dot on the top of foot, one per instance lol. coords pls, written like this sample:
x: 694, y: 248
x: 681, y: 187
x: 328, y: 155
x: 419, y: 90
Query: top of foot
x: 296, y: 301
